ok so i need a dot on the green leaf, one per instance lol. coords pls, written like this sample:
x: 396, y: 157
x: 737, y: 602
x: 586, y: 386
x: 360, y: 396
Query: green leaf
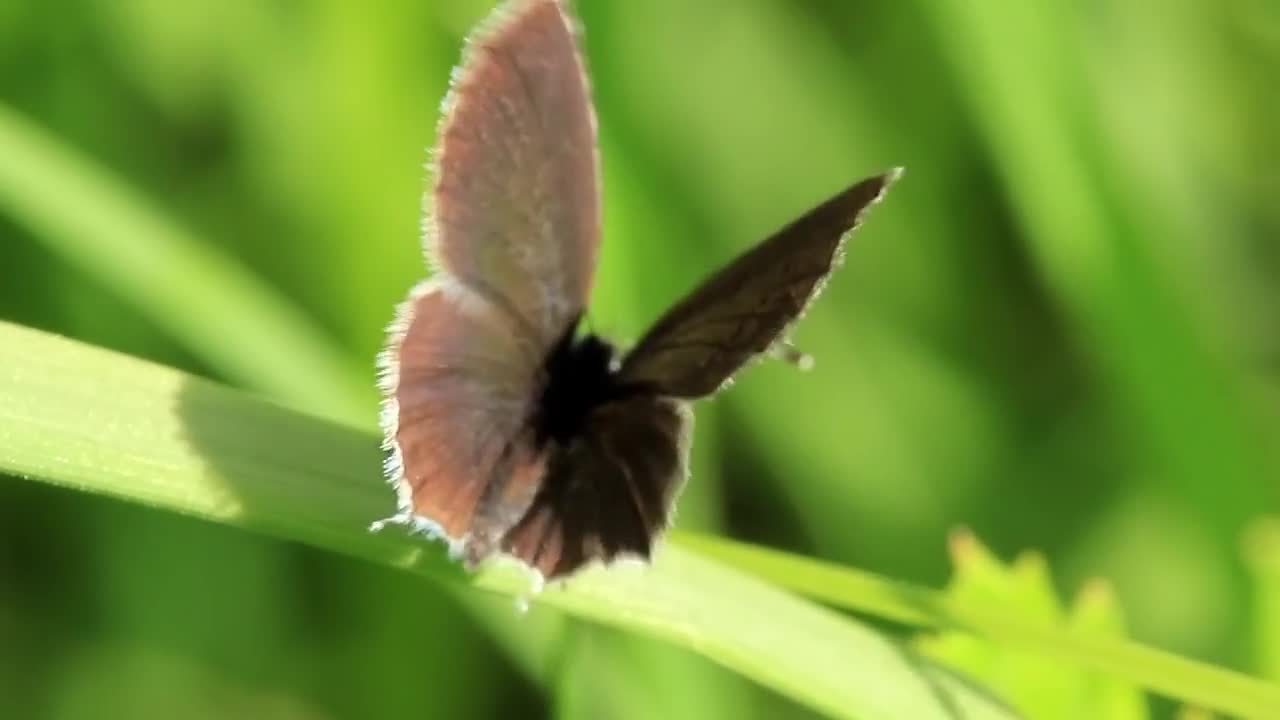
x: 100, y: 422
x: 1177, y: 677
x: 1098, y: 613
x: 1035, y: 684
x: 1262, y: 556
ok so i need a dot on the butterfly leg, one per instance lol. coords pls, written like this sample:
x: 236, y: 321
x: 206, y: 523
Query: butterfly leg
x: 792, y: 355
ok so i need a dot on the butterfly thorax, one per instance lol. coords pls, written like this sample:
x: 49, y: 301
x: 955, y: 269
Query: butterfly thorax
x: 580, y: 377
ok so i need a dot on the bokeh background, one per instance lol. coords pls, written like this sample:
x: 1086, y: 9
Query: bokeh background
x: 1062, y: 328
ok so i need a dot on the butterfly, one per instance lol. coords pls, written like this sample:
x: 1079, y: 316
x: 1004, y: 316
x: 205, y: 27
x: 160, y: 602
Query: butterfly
x: 508, y: 431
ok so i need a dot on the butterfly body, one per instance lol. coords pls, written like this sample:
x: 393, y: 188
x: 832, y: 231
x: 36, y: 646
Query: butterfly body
x: 580, y: 375
x: 507, y: 431
x: 609, y: 486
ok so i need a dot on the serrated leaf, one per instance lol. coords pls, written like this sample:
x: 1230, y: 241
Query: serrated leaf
x: 1041, y: 688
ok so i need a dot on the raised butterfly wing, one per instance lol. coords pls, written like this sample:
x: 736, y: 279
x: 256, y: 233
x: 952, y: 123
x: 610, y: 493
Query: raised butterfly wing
x: 458, y: 383
x: 609, y: 493
x: 516, y: 212
x: 514, y: 230
x: 743, y: 309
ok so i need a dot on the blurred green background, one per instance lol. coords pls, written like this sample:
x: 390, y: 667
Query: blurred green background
x: 1062, y: 328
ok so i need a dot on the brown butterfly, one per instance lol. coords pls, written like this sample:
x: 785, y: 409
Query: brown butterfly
x: 508, y: 431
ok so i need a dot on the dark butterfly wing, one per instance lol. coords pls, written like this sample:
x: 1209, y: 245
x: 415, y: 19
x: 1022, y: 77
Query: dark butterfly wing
x: 611, y: 492
x: 744, y: 308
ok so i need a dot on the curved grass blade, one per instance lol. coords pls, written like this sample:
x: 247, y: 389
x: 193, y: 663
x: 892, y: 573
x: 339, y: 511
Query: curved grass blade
x: 177, y: 443
x: 1165, y: 673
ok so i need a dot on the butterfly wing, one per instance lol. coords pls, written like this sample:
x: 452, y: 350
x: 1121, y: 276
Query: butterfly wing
x: 517, y: 204
x: 457, y: 380
x: 513, y: 230
x: 611, y: 492
x: 744, y: 308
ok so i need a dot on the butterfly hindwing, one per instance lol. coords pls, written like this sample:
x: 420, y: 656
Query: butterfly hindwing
x: 611, y: 492
x: 459, y: 385
x: 744, y: 308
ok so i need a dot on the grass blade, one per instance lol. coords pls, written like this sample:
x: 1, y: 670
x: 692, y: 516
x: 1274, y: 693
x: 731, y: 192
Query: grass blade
x: 173, y: 442
x: 1171, y: 675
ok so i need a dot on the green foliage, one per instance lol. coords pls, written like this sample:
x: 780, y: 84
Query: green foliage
x: 173, y: 442
x: 975, y: 615
x: 1060, y: 330
x: 1039, y: 687
x: 1262, y: 553
x: 176, y: 443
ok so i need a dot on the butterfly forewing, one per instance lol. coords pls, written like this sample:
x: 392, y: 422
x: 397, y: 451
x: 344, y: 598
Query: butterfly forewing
x: 745, y: 307
x: 516, y: 211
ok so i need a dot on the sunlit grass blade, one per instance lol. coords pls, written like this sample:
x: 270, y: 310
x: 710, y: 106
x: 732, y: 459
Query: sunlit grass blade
x: 1262, y: 554
x: 1167, y: 674
x: 208, y: 302
x: 99, y: 422
x: 170, y: 441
